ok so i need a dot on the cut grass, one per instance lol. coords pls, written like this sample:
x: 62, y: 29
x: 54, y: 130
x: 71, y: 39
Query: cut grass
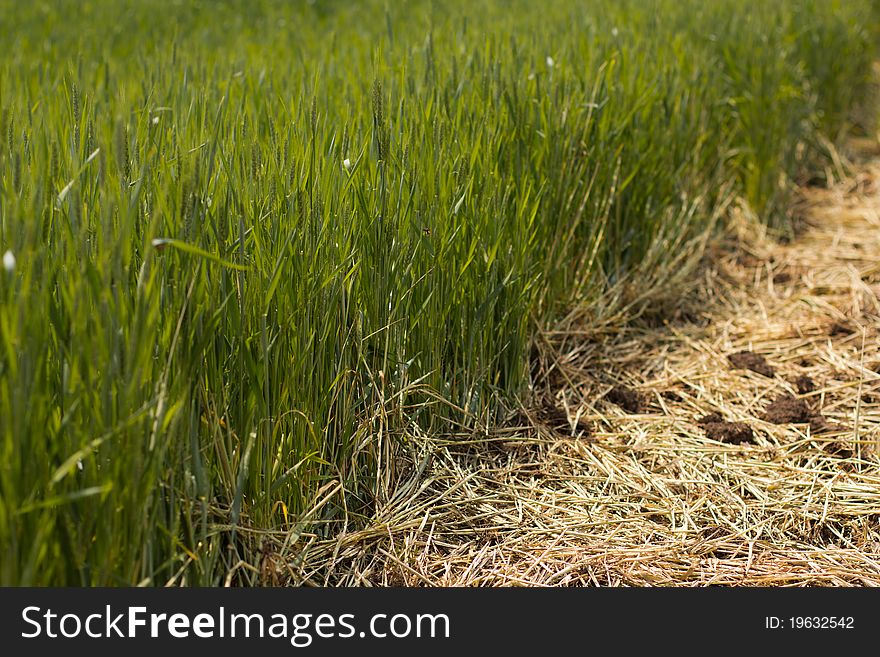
x: 216, y: 331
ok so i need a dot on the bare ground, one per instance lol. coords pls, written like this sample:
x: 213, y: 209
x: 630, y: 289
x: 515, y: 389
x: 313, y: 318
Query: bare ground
x: 730, y: 439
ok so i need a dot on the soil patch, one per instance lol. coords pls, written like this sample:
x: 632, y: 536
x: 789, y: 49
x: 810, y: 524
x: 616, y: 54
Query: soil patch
x: 730, y: 432
x: 557, y: 420
x: 628, y: 399
x: 786, y: 409
x: 748, y: 360
x: 781, y: 277
x: 839, y: 449
x: 840, y: 328
x: 804, y: 384
x: 717, y: 428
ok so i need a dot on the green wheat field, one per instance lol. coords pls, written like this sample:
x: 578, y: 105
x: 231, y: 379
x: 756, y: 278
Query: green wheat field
x: 251, y: 246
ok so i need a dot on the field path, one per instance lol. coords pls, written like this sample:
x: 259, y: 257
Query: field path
x: 614, y: 480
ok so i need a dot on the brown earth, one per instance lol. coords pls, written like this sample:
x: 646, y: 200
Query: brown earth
x: 787, y: 409
x: 730, y: 432
x: 804, y: 384
x: 629, y: 400
x: 747, y: 360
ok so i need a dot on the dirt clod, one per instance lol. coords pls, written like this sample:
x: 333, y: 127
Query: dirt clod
x: 820, y: 424
x: 840, y: 328
x: 671, y: 395
x: 748, y: 360
x: 628, y: 399
x: 712, y: 418
x: 786, y: 409
x: 781, y: 277
x: 730, y: 432
x: 804, y: 384
x: 717, y: 428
